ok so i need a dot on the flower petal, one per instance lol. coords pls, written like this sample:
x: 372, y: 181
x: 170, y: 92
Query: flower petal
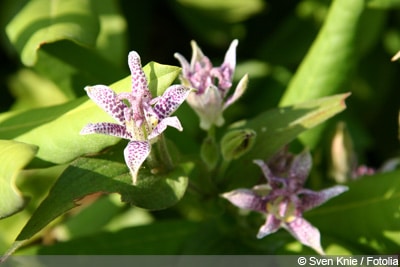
x: 135, y: 154
x: 239, y: 91
x: 245, y: 199
x: 265, y: 169
x: 185, y: 65
x: 197, y: 54
x: 300, y: 167
x: 162, y: 125
x: 106, y: 128
x: 271, y: 225
x: 208, y: 106
x: 172, y: 98
x: 230, y: 57
x: 311, y: 199
x: 108, y: 100
x: 305, y: 233
x: 140, y: 89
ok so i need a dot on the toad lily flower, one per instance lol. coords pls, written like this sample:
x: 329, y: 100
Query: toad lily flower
x: 283, y: 199
x: 212, y: 84
x: 141, y: 118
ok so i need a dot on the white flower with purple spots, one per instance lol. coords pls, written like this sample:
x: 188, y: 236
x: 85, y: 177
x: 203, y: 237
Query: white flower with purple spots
x: 283, y: 199
x: 141, y: 118
x: 212, y: 84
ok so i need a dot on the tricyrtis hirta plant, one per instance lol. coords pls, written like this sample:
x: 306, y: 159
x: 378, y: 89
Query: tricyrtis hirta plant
x: 284, y: 199
x: 141, y: 118
x: 211, y: 84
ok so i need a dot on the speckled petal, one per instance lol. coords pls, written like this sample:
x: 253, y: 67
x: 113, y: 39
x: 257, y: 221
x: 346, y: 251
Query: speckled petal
x: 135, y: 154
x: 265, y: 169
x: 106, y: 128
x: 162, y: 125
x: 300, y: 167
x: 108, y: 100
x: 311, y: 199
x: 140, y: 89
x: 245, y: 199
x: 172, y: 98
x: 271, y: 225
x: 305, y: 233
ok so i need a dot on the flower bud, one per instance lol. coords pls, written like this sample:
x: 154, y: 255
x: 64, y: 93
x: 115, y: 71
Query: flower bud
x: 236, y: 143
x: 343, y: 158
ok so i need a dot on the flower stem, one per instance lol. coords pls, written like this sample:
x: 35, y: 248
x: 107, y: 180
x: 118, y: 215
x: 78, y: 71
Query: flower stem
x: 159, y: 159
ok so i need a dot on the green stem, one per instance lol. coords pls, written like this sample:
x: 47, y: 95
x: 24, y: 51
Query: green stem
x: 159, y: 159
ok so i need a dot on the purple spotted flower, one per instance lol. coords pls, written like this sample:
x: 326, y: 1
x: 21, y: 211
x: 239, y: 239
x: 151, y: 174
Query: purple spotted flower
x: 283, y: 199
x: 141, y: 118
x: 211, y: 84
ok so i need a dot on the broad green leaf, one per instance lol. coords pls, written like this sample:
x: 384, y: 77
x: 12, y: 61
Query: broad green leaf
x: 366, y: 216
x: 86, y: 176
x: 56, y: 129
x: 13, y: 156
x: 32, y: 91
x: 331, y: 57
x: 72, y: 67
x: 162, y: 238
x: 330, y: 60
x: 46, y: 21
x: 278, y: 127
x: 112, y: 39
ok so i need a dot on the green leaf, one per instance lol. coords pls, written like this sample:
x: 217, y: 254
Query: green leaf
x: 46, y: 21
x: 160, y: 77
x: 278, y: 127
x: 56, y: 129
x: 86, y: 176
x: 366, y: 216
x: 331, y: 57
x: 13, y: 156
x: 162, y: 238
x: 329, y: 62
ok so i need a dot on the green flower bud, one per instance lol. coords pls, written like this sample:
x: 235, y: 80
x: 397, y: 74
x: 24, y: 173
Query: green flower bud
x: 236, y: 143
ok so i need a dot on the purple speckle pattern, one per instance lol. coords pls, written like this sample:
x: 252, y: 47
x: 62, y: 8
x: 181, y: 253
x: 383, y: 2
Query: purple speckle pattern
x: 172, y: 98
x: 107, y: 99
x: 162, y: 125
x: 140, y: 89
x: 209, y: 81
x: 108, y: 129
x: 135, y: 154
x: 138, y: 121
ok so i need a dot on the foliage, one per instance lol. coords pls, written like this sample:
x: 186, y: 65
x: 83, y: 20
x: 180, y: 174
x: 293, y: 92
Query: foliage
x: 306, y: 61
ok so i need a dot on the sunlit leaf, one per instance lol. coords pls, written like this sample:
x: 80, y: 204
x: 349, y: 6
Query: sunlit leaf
x: 330, y: 60
x: 64, y: 122
x: 86, y: 176
x: 13, y: 156
x: 46, y: 21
